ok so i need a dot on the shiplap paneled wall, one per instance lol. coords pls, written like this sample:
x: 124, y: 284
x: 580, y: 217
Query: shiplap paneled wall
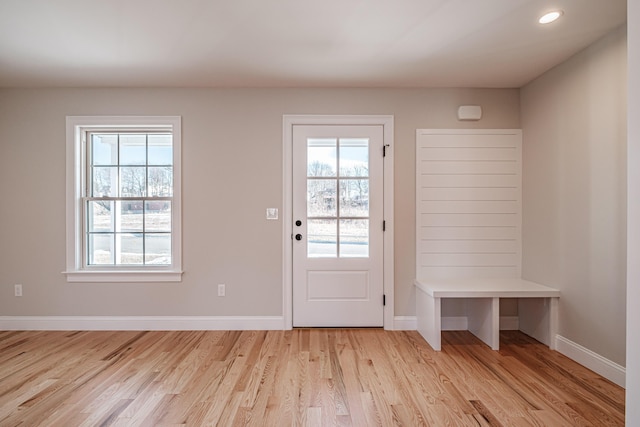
x: 468, y: 203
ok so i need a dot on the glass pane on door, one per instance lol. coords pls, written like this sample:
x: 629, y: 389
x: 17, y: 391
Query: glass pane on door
x: 321, y: 157
x: 354, y: 157
x: 321, y: 198
x: 337, y: 197
x: 354, y: 197
x: 322, y: 238
x: 354, y: 238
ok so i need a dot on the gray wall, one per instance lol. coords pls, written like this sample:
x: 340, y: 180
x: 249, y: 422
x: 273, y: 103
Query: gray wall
x: 232, y: 171
x: 574, y: 192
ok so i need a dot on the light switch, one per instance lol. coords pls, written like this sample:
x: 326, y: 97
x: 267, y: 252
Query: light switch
x: 272, y: 213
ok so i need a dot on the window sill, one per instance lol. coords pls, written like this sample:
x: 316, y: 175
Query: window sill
x: 123, y: 276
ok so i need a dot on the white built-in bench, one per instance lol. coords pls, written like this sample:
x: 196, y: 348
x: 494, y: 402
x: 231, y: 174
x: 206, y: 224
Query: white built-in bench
x: 537, y: 308
x: 469, y: 228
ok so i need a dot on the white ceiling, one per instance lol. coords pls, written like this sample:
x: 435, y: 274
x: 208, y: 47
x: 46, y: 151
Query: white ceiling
x: 292, y: 43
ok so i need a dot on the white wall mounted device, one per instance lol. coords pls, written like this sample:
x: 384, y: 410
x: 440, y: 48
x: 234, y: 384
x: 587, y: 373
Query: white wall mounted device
x: 469, y: 112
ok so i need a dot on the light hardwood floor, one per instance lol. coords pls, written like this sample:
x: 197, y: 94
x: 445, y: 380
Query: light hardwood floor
x: 315, y: 377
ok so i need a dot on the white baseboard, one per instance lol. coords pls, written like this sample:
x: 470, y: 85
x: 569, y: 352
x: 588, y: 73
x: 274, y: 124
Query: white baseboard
x: 405, y: 323
x: 509, y: 323
x: 454, y: 323
x: 600, y: 365
x: 451, y: 323
x: 140, y: 323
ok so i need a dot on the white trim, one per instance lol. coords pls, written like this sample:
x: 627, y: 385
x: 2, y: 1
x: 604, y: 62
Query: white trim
x: 75, y: 270
x: 600, y: 365
x: 509, y: 323
x: 460, y: 323
x: 288, y: 121
x: 452, y: 323
x: 140, y: 323
x: 405, y: 323
x: 389, y: 208
x: 123, y: 276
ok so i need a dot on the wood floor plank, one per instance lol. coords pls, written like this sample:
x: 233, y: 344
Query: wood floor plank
x: 352, y: 386
x: 224, y: 392
x: 302, y: 377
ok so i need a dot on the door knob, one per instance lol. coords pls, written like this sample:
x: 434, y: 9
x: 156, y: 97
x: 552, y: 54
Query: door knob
x: 298, y: 236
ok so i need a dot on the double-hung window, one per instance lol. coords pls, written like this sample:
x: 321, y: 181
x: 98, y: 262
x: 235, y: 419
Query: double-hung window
x: 123, y: 199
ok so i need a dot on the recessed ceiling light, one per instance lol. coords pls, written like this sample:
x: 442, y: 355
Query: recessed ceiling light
x: 548, y: 18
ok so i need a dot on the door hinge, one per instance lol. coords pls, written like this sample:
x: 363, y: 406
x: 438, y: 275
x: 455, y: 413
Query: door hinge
x: 384, y: 225
x: 384, y: 150
x: 384, y: 299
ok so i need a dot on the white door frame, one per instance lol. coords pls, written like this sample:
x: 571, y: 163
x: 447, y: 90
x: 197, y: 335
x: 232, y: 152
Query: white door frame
x: 288, y: 121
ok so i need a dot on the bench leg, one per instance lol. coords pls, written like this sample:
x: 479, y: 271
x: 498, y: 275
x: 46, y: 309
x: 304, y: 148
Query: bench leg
x: 428, y: 317
x: 553, y: 322
x: 484, y: 320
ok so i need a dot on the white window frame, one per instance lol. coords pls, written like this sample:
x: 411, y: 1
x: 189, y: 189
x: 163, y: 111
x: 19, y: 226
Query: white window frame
x: 77, y: 271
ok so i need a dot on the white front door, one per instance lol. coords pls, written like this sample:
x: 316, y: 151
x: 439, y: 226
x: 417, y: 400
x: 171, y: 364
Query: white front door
x: 337, y: 225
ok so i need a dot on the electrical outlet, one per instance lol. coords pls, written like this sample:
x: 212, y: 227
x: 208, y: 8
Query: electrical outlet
x: 221, y: 290
x: 17, y: 289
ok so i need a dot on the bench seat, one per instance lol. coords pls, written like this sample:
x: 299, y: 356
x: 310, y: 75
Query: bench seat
x: 537, y: 307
